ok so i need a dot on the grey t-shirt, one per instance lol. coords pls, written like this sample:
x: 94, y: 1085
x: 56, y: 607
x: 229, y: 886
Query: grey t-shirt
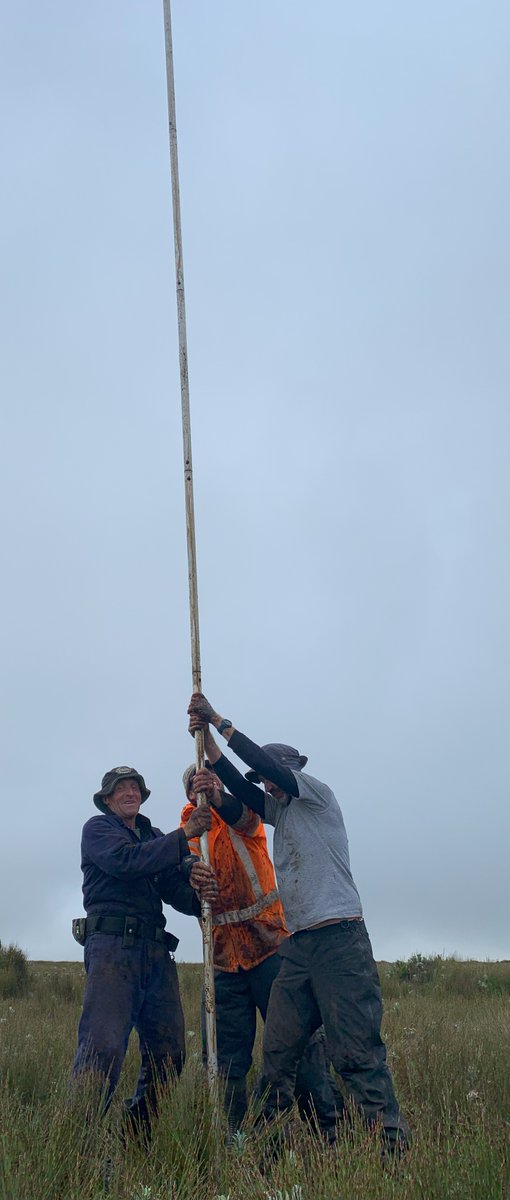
x: 311, y: 855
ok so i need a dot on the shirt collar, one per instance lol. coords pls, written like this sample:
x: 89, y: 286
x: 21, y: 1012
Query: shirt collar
x: 142, y: 821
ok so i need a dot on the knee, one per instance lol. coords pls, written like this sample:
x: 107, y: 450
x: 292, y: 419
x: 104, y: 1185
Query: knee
x: 106, y: 1058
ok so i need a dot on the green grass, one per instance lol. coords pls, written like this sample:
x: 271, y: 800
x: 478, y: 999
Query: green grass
x: 447, y: 1027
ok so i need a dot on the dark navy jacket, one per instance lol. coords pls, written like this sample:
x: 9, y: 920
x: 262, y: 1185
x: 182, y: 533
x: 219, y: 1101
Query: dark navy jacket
x: 124, y: 875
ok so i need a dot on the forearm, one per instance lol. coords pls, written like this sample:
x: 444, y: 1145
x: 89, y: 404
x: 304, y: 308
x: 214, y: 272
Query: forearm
x: 262, y: 763
x: 202, y: 714
x: 212, y: 750
x: 179, y: 894
x: 119, y: 857
x: 241, y: 789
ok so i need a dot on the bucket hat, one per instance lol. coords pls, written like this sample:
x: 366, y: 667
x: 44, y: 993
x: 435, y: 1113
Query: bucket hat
x: 111, y: 778
x: 285, y: 756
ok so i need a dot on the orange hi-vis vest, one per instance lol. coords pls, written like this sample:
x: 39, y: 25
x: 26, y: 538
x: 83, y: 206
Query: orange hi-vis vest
x: 248, y: 920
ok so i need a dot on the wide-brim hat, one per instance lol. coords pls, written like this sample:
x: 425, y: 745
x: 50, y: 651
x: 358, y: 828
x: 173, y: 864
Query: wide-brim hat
x: 114, y: 776
x: 285, y: 756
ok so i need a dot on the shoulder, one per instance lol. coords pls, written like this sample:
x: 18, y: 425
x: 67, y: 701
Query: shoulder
x: 97, y: 828
x: 95, y: 824
x: 314, y: 790
x: 107, y: 825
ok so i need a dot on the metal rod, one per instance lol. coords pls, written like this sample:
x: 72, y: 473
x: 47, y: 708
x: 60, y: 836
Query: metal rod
x: 210, y: 1016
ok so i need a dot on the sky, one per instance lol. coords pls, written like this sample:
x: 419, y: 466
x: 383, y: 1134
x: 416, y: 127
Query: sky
x: 345, y: 190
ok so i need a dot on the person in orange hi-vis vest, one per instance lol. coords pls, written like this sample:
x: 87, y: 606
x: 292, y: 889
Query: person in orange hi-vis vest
x: 248, y: 928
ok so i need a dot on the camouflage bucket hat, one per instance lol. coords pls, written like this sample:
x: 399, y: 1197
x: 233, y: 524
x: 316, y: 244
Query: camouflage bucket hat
x: 111, y: 778
x: 188, y: 776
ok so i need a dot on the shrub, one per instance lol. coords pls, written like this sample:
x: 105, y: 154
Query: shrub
x: 14, y: 972
x: 493, y: 985
x: 416, y: 969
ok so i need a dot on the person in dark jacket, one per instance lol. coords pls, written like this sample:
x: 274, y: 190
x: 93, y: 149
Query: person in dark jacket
x: 130, y: 867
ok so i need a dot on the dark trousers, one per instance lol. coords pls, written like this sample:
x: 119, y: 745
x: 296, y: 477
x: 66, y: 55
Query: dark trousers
x: 329, y: 977
x: 238, y: 996
x: 130, y: 987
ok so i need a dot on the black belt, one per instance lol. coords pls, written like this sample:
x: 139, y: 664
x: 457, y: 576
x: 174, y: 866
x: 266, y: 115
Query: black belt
x: 130, y: 928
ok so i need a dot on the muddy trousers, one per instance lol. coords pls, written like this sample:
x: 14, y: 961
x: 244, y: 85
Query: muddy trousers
x: 130, y: 987
x: 239, y: 994
x: 328, y: 976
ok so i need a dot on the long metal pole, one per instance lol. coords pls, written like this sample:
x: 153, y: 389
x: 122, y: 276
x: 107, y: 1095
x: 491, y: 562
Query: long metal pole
x: 212, y: 1062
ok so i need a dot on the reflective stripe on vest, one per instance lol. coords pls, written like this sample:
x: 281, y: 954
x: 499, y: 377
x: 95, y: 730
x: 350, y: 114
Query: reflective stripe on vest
x: 243, y: 853
x: 237, y: 915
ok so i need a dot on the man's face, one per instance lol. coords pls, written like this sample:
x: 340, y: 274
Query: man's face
x: 125, y: 799
x: 272, y: 789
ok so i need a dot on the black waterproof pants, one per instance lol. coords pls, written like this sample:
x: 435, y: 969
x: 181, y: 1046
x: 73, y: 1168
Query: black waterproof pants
x: 239, y: 994
x: 328, y: 976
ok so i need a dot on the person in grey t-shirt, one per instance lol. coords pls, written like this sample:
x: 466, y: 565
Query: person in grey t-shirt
x: 328, y: 974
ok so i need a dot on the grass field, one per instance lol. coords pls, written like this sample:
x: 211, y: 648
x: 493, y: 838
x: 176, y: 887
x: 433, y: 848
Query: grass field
x: 447, y: 1028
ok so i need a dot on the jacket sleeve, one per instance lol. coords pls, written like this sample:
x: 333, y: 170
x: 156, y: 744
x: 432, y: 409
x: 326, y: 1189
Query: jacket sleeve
x: 263, y: 764
x: 234, y: 813
x: 179, y: 893
x: 243, y: 792
x: 248, y: 824
x: 112, y: 850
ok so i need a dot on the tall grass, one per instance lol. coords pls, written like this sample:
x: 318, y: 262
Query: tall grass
x: 447, y: 1030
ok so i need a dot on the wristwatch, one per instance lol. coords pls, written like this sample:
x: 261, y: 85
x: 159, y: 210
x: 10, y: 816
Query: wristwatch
x: 223, y: 725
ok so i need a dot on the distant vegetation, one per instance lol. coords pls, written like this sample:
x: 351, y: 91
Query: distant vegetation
x: 447, y: 1028
x: 14, y: 972
x: 447, y: 975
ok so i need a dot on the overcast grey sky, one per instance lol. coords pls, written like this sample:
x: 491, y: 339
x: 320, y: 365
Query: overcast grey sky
x: 345, y: 188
